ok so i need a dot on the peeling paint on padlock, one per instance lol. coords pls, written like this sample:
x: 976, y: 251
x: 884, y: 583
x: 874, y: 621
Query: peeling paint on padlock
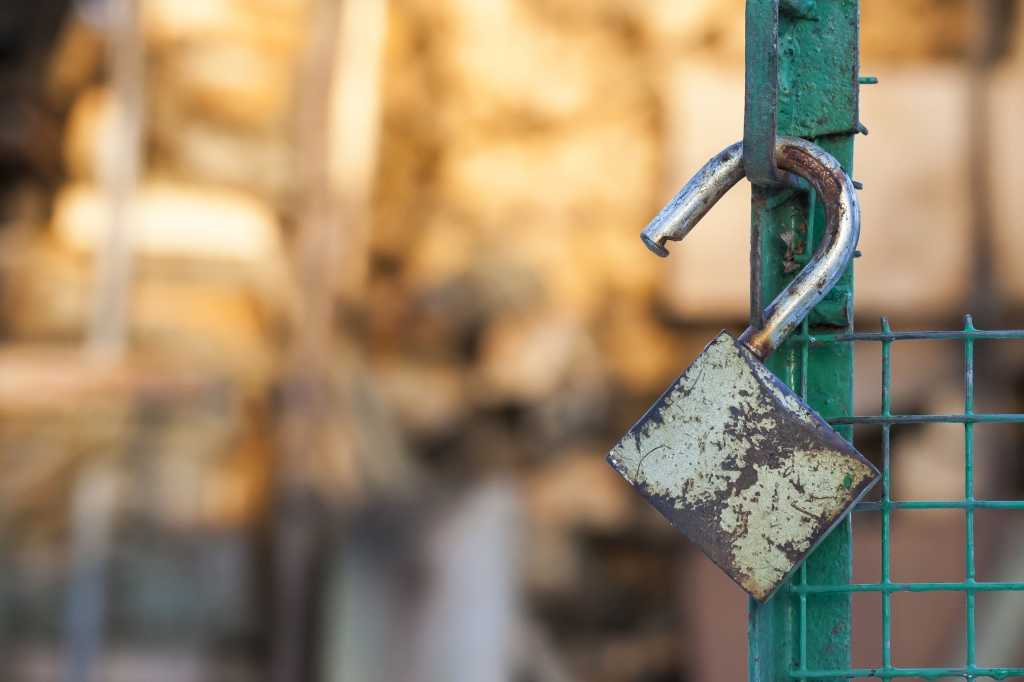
x: 738, y: 463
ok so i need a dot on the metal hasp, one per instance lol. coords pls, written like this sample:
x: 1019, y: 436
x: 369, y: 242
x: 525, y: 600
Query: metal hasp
x: 761, y: 100
x: 730, y: 454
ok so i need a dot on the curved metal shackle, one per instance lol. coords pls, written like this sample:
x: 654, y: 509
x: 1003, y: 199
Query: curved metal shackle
x: 842, y: 216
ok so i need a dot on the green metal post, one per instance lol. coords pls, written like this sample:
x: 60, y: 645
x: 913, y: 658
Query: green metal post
x: 819, y: 60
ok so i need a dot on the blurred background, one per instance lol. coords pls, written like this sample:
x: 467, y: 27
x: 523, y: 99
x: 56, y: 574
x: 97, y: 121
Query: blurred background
x: 319, y: 316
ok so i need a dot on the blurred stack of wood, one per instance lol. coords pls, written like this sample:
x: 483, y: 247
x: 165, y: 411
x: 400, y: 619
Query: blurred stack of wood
x: 508, y: 316
x: 211, y: 289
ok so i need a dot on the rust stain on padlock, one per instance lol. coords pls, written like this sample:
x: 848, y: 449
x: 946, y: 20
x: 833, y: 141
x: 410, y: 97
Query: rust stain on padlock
x: 742, y: 466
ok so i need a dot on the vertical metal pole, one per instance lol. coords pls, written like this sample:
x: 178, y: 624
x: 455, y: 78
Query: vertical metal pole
x: 819, y: 61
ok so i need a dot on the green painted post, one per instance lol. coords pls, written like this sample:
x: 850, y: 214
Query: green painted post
x: 819, y: 61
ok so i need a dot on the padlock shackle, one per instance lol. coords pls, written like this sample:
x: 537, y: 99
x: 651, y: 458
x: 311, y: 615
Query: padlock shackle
x: 842, y: 217
x: 832, y: 257
x: 695, y: 199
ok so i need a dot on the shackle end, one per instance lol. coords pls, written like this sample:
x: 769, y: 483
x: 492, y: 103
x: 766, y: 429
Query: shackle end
x: 656, y: 247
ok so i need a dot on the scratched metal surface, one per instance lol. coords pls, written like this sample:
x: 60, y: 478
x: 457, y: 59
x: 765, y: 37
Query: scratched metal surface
x: 739, y: 464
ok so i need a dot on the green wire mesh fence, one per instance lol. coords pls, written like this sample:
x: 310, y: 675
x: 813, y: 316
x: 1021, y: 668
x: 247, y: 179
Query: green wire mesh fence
x: 803, y: 592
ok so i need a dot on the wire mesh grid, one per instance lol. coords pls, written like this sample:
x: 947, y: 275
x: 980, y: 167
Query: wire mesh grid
x: 802, y: 590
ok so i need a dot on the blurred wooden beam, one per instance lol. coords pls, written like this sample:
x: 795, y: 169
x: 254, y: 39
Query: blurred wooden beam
x: 297, y: 521
x: 109, y: 325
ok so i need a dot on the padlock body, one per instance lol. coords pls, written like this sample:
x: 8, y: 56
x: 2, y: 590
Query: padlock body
x: 734, y: 459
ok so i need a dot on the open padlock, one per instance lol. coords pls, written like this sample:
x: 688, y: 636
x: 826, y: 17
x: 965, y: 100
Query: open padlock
x: 729, y: 454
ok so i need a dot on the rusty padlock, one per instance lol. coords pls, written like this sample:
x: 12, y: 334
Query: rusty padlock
x: 730, y: 455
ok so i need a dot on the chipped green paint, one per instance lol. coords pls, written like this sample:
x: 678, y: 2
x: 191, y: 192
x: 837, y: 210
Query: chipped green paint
x: 818, y: 99
x: 739, y: 464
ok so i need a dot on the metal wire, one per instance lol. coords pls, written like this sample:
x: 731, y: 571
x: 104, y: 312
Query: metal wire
x: 886, y: 587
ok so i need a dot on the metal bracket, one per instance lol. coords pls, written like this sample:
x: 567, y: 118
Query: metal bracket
x: 761, y: 110
x: 761, y: 106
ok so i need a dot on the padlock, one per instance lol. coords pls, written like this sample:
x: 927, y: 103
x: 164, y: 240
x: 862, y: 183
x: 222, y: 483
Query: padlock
x: 730, y: 455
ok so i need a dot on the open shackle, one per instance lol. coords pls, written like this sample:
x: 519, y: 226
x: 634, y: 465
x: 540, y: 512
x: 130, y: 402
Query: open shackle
x: 842, y: 217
